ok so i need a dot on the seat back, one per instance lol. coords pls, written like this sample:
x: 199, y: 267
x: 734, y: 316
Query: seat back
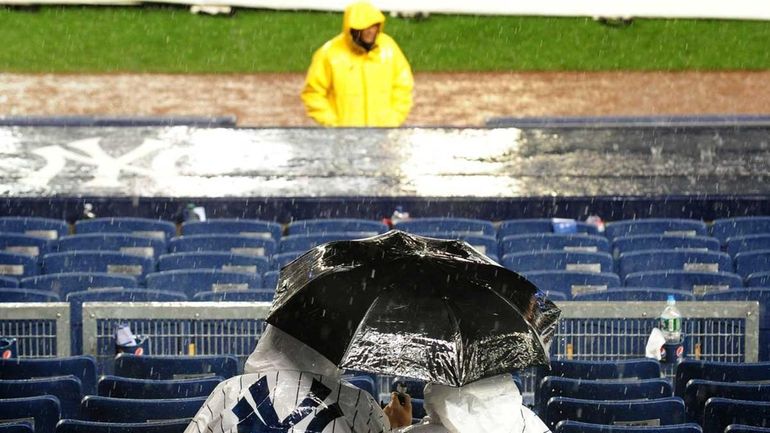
x: 141, y: 246
x: 235, y: 244
x: 282, y: 259
x: 365, y: 228
x: 582, y: 427
x: 428, y: 226
x: 125, y: 387
x: 66, y: 389
x: 65, y: 283
x: 9, y: 282
x: 698, y: 283
x: 82, y: 367
x: 109, y: 262
x: 222, y: 261
x: 136, y: 226
x: 762, y: 296
x: 725, y: 228
x: 80, y: 426
x: 25, y: 295
x: 484, y: 244
x: 742, y: 428
x: 175, y: 367
x: 251, y: 295
x: 572, y: 283
x: 674, y: 260
x: 699, y: 391
x: 722, y: 412
x: 32, y: 246
x: 304, y: 242
x: 45, y: 228
x: 365, y: 383
x: 660, y: 411
x: 604, y: 370
x: 626, y: 244
x: 656, y: 226
x: 539, y: 225
x: 15, y: 265
x: 558, y: 261
x: 741, y: 244
x: 131, y: 410
x: 240, y: 227
x: 758, y: 279
x: 270, y: 279
x: 554, y: 241
x: 718, y: 371
x: 192, y: 281
x: 751, y: 262
x: 41, y: 410
x: 17, y: 427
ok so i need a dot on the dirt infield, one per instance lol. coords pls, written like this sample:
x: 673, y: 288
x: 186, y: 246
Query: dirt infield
x: 441, y: 99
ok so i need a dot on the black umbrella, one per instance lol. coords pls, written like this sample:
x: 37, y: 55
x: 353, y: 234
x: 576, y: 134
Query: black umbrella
x: 412, y: 306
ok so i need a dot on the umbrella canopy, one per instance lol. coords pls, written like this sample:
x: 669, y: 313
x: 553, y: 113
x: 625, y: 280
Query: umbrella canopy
x: 412, y: 306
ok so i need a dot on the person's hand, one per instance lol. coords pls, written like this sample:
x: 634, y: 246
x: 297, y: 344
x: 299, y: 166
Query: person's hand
x: 399, y: 415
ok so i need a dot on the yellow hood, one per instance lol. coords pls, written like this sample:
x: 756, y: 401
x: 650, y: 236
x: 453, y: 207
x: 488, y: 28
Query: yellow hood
x: 360, y: 15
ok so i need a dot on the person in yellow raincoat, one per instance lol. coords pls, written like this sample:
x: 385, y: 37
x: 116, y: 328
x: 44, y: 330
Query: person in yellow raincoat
x: 360, y: 77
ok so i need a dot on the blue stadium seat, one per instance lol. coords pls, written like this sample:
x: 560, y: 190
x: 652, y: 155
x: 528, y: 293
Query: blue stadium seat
x: 134, y: 410
x: 626, y: 244
x: 214, y: 260
x: 660, y: 411
x: 758, y: 279
x: 427, y: 226
x: 136, y: 226
x: 582, y: 427
x: 558, y: 261
x: 365, y: 383
x: 44, y: 409
x: 722, y: 412
x: 759, y: 294
x: 741, y: 244
x: 227, y: 243
x: 241, y: 227
x: 41, y: 227
x: 251, y: 295
x: 539, y: 225
x: 485, y: 244
x: 121, y: 242
x: 80, y: 426
x: 16, y: 427
x: 742, y: 428
x: 68, y: 282
x: 99, y: 261
x: 18, y: 265
x: 634, y: 389
x: 696, y: 282
x: 127, y: 387
x: 302, y: 243
x: 554, y: 241
x: 365, y: 228
x: 25, y: 244
x: 192, y: 281
x: 698, y: 391
x: 26, y: 295
x: 752, y: 262
x: 283, y: 259
x: 82, y: 367
x: 636, y: 294
x: 718, y: 371
x: 656, y: 226
x: 175, y: 367
x: 725, y: 228
x: 572, y: 283
x: 675, y: 260
x: 9, y: 282
x: 270, y: 279
x: 599, y: 370
x: 66, y: 389
x: 415, y: 388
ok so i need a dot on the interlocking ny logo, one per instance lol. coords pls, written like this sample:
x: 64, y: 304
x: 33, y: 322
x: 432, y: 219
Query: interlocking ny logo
x: 107, y: 168
x: 266, y: 420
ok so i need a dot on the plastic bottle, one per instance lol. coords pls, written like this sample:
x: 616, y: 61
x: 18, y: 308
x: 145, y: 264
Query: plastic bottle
x: 671, y: 322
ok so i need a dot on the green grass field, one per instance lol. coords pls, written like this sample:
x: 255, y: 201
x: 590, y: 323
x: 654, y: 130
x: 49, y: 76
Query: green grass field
x: 169, y: 39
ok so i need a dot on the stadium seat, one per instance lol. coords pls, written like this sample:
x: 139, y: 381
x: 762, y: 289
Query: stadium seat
x: 582, y: 427
x: 696, y: 282
x: 251, y: 295
x: 44, y: 410
x: 302, y: 243
x: 633, y: 389
x: 365, y: 383
x: 9, y: 282
x: 558, y: 261
x: 741, y: 244
x: 626, y: 244
x: 657, y: 412
x: 214, y: 260
x: 485, y: 244
x: 66, y: 389
x: 26, y: 295
x: 192, y: 281
x: 655, y: 226
x: 698, y: 391
x: 741, y: 428
x: 718, y: 371
x: 722, y: 412
x: 282, y: 259
x: 758, y: 279
x: 725, y: 228
x: 99, y: 261
x: 41, y: 227
x: 364, y: 228
x: 136, y: 226
x: 636, y: 294
x: 68, y: 282
x: 554, y: 241
x: 540, y: 225
x: 759, y: 294
x: 82, y: 367
x: 572, y: 283
x: 126, y: 387
x: 120, y: 242
x: 79, y: 426
x: 133, y: 410
x: 751, y: 262
x: 675, y: 260
x: 234, y: 244
x: 32, y: 246
x: 18, y: 265
x: 175, y: 367
x: 604, y: 370
x: 241, y: 227
x: 16, y: 427
x: 428, y: 226
x: 270, y: 279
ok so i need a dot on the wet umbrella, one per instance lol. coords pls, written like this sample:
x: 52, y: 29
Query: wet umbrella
x: 412, y: 306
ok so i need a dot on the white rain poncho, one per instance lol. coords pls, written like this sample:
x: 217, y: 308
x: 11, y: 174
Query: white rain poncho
x: 491, y: 405
x: 288, y: 387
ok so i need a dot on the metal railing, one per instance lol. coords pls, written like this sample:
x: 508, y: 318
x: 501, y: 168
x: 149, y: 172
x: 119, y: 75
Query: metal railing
x: 42, y: 329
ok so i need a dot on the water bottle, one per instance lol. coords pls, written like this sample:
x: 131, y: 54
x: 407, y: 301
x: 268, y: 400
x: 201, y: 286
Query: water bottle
x: 671, y: 322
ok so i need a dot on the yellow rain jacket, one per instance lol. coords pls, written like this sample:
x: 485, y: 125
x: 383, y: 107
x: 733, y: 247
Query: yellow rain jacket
x: 348, y: 86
